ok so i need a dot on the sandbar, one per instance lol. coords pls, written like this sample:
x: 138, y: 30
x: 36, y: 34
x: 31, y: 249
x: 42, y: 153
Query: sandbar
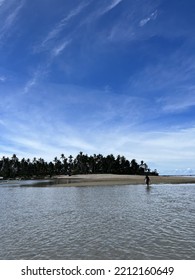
x: 113, y: 179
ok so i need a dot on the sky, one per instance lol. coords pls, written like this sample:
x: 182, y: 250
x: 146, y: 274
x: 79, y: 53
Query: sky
x: 101, y: 77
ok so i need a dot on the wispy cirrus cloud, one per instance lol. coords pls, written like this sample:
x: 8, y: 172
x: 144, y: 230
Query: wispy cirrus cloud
x: 11, y: 18
x: 30, y: 83
x: 160, y: 150
x: 183, y: 100
x: 57, y: 29
x: 152, y: 16
x: 54, y: 45
x: 174, y: 74
x: 111, y: 6
x: 36, y: 77
x: 43, y: 69
x: 28, y: 133
x: 57, y: 50
x: 126, y: 27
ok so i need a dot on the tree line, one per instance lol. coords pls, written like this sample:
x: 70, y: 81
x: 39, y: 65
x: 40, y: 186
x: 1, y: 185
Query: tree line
x: 80, y: 164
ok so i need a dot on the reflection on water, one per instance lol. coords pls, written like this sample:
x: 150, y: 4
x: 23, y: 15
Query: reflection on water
x: 148, y: 188
x: 105, y: 222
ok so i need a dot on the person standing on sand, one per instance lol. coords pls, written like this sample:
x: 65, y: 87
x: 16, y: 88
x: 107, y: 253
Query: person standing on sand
x: 147, y: 180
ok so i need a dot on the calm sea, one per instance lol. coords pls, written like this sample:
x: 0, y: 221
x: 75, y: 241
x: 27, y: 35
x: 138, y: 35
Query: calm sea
x: 104, y: 222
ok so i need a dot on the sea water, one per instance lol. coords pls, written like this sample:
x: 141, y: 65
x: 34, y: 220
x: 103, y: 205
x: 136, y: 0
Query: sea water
x: 98, y: 222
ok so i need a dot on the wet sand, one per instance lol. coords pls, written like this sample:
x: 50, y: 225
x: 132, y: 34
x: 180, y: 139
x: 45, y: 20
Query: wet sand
x: 112, y: 179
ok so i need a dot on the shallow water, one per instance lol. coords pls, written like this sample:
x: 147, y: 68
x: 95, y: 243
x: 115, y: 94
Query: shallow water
x: 103, y: 222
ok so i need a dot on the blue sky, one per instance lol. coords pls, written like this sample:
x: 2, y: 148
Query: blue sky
x: 109, y: 76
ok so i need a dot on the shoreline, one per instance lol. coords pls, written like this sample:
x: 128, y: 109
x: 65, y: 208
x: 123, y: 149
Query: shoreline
x: 86, y: 180
x: 113, y: 179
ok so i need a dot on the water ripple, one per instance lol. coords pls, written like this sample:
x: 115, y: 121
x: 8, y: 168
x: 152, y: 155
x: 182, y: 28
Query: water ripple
x: 119, y: 222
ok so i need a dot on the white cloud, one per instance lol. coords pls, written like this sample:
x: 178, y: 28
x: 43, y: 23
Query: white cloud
x: 75, y: 12
x: 53, y: 34
x: 182, y: 101
x: 169, y: 82
x: 126, y: 26
x: 59, y: 49
x: 122, y: 33
x: 113, y: 4
x: 31, y: 83
x: 73, y: 119
x: 10, y: 19
x: 43, y: 69
x: 36, y: 77
x: 152, y: 16
x: 179, y: 171
x: 161, y: 152
x: 99, y: 10
x: 159, y: 149
x: 38, y: 138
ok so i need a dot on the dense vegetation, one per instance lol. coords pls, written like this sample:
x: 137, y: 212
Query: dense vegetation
x: 81, y: 164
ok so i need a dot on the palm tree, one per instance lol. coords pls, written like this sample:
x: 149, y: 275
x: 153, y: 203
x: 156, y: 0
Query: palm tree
x: 64, y: 164
x: 81, y: 164
x: 57, y: 165
x: 110, y: 159
x: 5, y: 167
x: 70, y: 165
x: 134, y: 166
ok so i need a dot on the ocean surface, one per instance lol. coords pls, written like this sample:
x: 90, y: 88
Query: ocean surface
x: 45, y: 221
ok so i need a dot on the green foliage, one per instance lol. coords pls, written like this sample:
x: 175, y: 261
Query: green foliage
x: 81, y: 164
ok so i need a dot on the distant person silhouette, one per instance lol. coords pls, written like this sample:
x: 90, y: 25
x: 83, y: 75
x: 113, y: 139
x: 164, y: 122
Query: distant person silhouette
x: 147, y: 180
